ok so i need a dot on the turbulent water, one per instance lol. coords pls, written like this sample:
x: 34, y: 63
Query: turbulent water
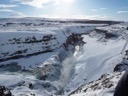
x: 67, y: 66
x: 66, y: 71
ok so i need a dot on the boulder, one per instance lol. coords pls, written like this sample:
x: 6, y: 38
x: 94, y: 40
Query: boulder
x: 5, y: 91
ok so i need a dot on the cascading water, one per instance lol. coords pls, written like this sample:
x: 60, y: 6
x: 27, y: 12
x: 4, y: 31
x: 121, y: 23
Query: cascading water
x: 67, y: 66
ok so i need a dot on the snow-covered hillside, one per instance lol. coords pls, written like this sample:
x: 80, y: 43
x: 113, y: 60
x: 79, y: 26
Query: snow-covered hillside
x: 104, y: 86
x: 55, y: 57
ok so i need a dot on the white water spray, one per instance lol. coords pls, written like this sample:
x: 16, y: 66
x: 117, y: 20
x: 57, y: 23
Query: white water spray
x: 67, y: 66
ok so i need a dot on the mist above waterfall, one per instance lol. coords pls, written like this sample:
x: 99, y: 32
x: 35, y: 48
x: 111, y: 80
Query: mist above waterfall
x: 66, y: 71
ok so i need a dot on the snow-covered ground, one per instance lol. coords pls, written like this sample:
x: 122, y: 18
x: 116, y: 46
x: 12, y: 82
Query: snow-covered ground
x: 98, y: 58
x: 53, y: 52
x: 104, y: 86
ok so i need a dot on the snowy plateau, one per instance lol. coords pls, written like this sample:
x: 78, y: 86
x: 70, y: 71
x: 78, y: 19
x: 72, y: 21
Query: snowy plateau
x: 61, y: 57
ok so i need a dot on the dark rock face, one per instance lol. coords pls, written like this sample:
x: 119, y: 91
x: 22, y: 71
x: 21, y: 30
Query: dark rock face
x: 5, y: 91
x: 123, y: 65
x: 106, y: 33
x: 74, y: 39
x: 127, y: 28
x: 122, y: 86
x: 120, y: 67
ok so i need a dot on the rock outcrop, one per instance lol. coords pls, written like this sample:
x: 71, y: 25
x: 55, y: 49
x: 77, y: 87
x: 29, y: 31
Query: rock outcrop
x: 5, y: 91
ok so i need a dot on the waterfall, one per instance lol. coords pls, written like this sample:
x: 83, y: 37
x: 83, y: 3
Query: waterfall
x: 67, y: 66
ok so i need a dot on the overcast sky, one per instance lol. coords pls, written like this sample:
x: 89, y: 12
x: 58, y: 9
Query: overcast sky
x: 87, y: 9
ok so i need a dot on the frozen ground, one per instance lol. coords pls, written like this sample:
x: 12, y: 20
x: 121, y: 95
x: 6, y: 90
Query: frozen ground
x: 65, y: 66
